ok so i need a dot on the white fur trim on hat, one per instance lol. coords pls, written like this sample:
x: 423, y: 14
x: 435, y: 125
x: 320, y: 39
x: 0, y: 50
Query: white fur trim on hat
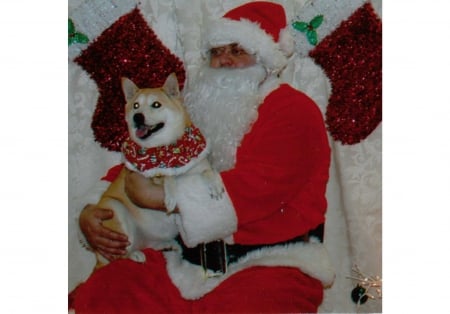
x: 250, y: 37
x: 286, y: 42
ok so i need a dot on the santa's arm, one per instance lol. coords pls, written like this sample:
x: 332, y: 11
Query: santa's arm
x: 280, y: 175
x: 279, y: 182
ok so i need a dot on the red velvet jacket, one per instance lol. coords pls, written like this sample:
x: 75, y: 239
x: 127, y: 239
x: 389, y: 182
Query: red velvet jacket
x: 278, y: 183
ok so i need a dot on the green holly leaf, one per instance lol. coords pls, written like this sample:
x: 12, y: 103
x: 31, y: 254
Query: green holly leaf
x: 309, y: 28
x: 316, y: 21
x: 76, y: 37
x: 311, y: 35
x: 80, y: 38
x: 300, y: 26
x: 71, y: 27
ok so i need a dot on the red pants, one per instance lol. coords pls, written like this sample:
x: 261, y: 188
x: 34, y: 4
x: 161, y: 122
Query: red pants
x: 125, y: 286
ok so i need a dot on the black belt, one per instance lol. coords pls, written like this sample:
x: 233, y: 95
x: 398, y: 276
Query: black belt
x: 215, y: 256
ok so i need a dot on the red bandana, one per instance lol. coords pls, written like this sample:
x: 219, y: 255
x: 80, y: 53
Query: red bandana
x: 171, y: 159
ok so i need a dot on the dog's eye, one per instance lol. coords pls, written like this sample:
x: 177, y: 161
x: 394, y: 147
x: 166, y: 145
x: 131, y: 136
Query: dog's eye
x: 155, y: 105
x: 136, y: 105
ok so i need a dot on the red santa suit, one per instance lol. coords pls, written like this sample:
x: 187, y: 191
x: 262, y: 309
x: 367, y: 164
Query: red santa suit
x: 274, y: 193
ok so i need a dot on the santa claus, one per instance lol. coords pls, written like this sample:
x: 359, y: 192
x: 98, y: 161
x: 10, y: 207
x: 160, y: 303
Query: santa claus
x: 258, y: 248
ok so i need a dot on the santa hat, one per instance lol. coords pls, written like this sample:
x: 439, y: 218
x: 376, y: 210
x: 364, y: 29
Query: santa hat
x: 260, y: 28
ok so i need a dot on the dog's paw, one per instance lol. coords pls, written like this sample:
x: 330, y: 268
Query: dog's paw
x: 215, y: 187
x: 216, y: 190
x: 138, y: 256
x: 214, y: 183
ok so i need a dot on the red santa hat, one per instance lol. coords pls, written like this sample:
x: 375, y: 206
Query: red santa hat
x: 260, y: 28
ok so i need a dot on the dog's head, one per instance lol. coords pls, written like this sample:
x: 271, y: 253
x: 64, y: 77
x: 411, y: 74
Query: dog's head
x: 155, y: 116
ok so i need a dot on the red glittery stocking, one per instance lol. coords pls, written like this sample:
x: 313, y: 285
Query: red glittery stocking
x: 128, y: 48
x: 351, y: 57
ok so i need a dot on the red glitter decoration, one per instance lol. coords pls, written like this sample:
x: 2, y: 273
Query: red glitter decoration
x: 351, y: 57
x: 128, y: 48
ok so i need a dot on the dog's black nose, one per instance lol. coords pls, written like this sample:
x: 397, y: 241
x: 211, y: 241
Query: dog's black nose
x: 138, y: 119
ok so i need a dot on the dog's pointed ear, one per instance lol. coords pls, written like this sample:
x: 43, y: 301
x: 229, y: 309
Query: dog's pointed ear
x: 171, y: 86
x: 129, y: 88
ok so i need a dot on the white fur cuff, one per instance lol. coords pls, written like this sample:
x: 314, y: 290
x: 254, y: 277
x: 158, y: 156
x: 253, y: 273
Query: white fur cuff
x: 202, y: 218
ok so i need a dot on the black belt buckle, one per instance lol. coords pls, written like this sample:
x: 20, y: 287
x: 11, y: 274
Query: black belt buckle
x: 213, y: 257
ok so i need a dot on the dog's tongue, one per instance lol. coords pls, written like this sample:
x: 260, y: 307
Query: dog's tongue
x: 141, y: 131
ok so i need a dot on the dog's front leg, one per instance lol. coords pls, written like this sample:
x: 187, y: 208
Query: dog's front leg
x: 169, y: 193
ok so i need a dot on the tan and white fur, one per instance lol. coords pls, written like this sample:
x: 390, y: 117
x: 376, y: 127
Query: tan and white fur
x: 155, y: 117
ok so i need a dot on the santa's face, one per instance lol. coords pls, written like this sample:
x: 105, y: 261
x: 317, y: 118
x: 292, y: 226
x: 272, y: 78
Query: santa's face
x: 230, y: 56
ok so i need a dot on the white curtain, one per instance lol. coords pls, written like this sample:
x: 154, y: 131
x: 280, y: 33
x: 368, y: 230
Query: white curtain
x: 353, y: 227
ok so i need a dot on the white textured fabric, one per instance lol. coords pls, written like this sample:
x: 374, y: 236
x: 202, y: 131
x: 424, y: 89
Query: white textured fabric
x: 217, y: 216
x: 353, y: 227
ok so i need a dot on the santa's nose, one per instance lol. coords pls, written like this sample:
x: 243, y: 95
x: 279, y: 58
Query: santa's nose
x: 225, y: 60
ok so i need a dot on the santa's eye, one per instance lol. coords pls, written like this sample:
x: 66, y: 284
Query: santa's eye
x: 136, y: 105
x: 237, y: 51
x: 155, y: 105
x: 216, y: 51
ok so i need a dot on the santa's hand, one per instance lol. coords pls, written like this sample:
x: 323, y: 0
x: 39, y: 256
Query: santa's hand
x: 107, y: 242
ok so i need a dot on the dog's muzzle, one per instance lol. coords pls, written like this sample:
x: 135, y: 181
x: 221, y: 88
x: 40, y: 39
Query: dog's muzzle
x: 143, y: 130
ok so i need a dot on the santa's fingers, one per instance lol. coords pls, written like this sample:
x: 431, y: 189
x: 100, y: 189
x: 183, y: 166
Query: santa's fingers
x: 112, y: 235
x: 111, y: 247
x: 109, y: 256
x: 109, y: 238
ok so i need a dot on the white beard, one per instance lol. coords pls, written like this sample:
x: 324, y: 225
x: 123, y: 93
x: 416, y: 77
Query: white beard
x: 223, y: 104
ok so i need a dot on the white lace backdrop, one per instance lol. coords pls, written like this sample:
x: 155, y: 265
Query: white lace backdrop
x: 354, y: 225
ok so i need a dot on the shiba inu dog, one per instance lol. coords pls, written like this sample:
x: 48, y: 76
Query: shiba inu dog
x: 163, y: 143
